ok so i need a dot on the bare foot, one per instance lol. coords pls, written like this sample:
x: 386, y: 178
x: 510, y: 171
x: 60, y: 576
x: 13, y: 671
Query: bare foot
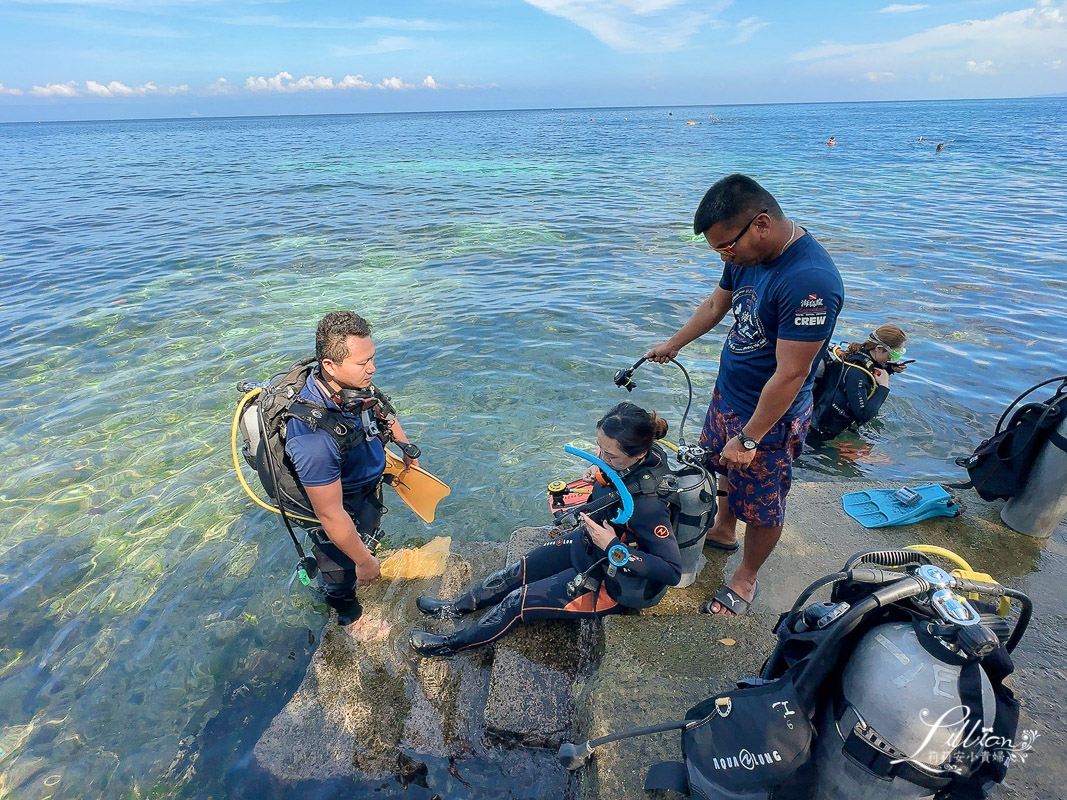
x: 724, y: 536
x: 746, y: 590
x: 366, y: 629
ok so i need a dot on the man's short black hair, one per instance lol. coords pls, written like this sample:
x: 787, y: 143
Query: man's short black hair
x: 333, y: 330
x: 731, y: 197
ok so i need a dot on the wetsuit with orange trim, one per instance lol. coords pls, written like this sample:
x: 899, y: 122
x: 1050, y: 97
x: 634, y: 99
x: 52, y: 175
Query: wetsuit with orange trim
x: 539, y: 585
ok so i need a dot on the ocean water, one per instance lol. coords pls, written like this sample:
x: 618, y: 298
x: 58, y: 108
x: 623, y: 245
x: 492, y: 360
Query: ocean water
x: 509, y: 262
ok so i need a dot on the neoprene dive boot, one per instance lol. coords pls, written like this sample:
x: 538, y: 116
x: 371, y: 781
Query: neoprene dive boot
x: 348, y: 608
x: 489, y: 592
x: 485, y: 630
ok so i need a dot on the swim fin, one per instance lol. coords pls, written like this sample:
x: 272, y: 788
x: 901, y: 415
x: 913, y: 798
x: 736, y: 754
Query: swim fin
x: 880, y: 508
x: 416, y: 487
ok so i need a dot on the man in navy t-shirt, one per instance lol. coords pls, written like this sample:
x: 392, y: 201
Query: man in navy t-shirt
x: 345, y: 494
x: 785, y: 294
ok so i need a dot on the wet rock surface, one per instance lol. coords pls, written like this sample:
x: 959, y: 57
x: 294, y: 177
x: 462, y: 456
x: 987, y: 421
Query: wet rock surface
x: 531, y: 699
x: 470, y: 726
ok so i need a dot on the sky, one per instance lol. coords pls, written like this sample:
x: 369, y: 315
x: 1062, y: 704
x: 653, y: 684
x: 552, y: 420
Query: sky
x: 123, y: 59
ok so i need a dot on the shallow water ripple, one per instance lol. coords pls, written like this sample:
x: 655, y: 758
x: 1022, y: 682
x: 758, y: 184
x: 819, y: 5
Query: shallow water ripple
x: 510, y: 263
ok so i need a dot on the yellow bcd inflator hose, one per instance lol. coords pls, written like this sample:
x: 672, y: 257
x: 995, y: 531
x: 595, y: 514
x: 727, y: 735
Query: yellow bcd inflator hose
x: 934, y: 550
x: 237, y: 463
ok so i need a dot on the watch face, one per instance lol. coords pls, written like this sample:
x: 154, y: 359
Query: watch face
x: 747, y: 443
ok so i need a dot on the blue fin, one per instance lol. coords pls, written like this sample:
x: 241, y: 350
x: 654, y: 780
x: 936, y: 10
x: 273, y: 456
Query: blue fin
x: 879, y: 508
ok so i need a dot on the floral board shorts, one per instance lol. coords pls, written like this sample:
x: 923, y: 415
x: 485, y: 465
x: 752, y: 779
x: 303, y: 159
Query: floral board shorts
x: 757, y: 493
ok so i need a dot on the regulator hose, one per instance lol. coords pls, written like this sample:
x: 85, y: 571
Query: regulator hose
x: 890, y: 558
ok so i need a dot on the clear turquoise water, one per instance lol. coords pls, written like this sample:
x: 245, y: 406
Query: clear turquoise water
x: 510, y: 263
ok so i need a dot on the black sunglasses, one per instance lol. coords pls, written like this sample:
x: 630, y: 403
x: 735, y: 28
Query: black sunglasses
x: 728, y: 249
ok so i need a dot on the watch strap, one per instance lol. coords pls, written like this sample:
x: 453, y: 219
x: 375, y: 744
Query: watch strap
x: 746, y: 440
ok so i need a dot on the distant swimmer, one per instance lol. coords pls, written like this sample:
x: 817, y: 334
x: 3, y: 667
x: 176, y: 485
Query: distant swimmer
x: 940, y: 147
x: 690, y: 122
x: 921, y: 139
x: 832, y: 142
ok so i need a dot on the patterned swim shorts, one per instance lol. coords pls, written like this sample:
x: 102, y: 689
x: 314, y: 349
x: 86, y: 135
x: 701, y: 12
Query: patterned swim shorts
x: 757, y: 493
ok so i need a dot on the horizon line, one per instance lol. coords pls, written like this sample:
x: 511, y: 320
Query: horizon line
x: 193, y: 117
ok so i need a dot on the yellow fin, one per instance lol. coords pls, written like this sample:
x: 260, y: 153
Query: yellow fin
x: 427, y: 561
x: 416, y: 487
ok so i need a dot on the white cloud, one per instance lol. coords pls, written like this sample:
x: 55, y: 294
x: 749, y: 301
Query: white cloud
x: 221, y: 86
x: 638, y: 26
x: 116, y: 89
x: 284, y: 83
x: 408, y: 24
x: 747, y: 27
x: 1057, y: 63
x: 388, y: 23
x: 68, y: 89
x: 5, y: 90
x: 386, y: 44
x: 1018, y: 42
x: 980, y: 67
x: 898, y: 8
x: 879, y: 77
x: 395, y: 84
x: 353, y: 82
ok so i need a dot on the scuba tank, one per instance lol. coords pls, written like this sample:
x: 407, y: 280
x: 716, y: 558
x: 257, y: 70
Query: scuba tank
x: 899, y: 698
x: 692, y: 499
x: 689, y: 488
x: 892, y: 690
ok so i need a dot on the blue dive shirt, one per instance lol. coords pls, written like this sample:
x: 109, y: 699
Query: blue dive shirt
x: 795, y: 297
x: 317, y: 458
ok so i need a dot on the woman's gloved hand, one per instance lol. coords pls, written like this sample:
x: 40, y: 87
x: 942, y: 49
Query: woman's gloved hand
x: 600, y: 534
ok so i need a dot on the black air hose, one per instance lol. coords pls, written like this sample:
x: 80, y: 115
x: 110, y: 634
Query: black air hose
x: 889, y: 558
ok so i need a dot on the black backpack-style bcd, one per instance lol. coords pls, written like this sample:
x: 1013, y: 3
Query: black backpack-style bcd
x: 1000, y: 465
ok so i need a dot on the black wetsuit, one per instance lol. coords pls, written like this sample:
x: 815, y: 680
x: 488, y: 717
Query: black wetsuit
x: 843, y: 396
x: 540, y: 579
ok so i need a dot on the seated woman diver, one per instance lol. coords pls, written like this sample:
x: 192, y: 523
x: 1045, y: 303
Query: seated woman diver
x: 855, y: 382
x: 571, y: 577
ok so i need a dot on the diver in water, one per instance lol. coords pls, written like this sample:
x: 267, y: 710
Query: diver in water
x: 854, y: 382
x: 342, y: 479
x: 596, y: 570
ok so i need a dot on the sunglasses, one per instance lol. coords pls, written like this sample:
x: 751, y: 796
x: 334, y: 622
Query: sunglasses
x: 728, y: 249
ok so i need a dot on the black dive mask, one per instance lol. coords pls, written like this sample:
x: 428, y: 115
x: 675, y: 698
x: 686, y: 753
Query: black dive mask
x: 355, y: 401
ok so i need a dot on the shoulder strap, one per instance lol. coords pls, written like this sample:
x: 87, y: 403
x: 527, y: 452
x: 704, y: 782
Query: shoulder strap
x: 1060, y: 390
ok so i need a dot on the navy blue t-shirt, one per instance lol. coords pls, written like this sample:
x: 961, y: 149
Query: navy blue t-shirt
x: 795, y: 297
x: 317, y: 458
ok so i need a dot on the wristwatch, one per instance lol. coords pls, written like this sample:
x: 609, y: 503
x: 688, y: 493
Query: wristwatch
x: 747, y: 442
